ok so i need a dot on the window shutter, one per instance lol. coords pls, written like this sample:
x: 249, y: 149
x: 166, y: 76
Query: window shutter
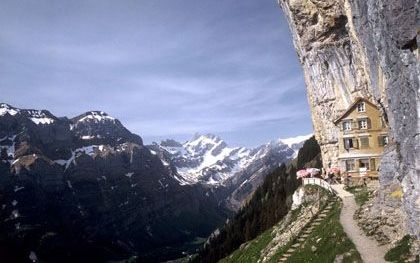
x: 381, y: 140
x: 355, y: 143
x: 369, y: 123
x: 372, y: 164
x: 346, y: 144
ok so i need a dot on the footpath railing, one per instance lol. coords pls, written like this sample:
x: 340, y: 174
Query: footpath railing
x: 319, y: 182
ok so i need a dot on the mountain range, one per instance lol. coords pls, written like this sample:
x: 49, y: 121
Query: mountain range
x: 87, y: 184
x: 231, y: 172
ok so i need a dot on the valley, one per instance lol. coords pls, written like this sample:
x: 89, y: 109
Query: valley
x: 91, y: 174
x: 185, y: 156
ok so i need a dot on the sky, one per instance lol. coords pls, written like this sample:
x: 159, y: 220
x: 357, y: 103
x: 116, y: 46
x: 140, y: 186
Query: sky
x: 164, y: 68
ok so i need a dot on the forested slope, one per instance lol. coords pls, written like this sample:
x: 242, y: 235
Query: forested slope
x: 269, y: 204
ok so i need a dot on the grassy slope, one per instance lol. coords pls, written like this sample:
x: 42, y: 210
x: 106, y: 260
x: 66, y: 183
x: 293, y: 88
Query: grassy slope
x: 361, y: 194
x: 332, y: 241
x: 251, y: 252
x: 329, y: 240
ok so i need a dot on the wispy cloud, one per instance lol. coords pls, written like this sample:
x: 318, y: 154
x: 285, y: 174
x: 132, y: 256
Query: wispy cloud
x: 165, y: 70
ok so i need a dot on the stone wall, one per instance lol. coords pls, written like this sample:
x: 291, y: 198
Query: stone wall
x: 367, y: 48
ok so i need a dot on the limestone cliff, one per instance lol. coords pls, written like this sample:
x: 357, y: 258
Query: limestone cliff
x: 367, y: 48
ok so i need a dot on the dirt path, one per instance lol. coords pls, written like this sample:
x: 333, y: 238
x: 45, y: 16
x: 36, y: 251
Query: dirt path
x: 369, y: 249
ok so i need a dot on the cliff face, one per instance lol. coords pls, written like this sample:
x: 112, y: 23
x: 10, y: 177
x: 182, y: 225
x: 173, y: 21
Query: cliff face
x: 365, y: 48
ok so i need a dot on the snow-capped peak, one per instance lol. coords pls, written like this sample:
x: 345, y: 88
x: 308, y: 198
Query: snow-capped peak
x: 295, y: 140
x: 208, y: 159
x: 203, y: 139
x: 295, y: 143
x: 6, y: 108
x: 200, y: 141
x: 36, y: 116
x: 96, y: 116
x: 39, y: 116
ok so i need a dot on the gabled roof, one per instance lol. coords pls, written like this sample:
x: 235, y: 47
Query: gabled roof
x: 352, y: 106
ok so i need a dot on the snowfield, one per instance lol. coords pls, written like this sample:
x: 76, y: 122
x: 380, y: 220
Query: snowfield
x: 208, y: 159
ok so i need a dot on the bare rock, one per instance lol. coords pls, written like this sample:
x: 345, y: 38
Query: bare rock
x: 365, y: 48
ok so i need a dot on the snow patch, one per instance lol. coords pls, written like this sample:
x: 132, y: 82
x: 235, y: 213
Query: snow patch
x: 44, y: 120
x: 294, y: 140
x: 15, y: 161
x: 165, y: 163
x: 129, y: 175
x: 15, y: 214
x: 39, y: 117
x: 61, y: 162
x: 89, y: 150
x: 6, y: 109
x: 17, y: 188
x: 97, y: 117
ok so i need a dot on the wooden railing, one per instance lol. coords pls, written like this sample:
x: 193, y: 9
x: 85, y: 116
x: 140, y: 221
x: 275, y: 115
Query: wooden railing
x: 319, y: 182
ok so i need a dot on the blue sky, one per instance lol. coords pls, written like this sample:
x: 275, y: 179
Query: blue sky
x: 165, y: 68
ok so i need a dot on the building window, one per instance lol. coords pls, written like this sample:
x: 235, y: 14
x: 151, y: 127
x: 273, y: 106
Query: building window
x: 361, y: 107
x: 364, y: 142
x: 350, y: 143
x: 350, y: 165
x: 347, y: 125
x: 364, y: 164
x: 383, y: 140
x: 363, y: 124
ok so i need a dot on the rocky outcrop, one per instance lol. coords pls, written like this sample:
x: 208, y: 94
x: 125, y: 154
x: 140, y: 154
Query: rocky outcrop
x: 97, y: 127
x: 364, y: 48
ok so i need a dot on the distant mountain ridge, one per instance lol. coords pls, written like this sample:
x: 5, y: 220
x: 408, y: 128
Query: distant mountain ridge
x: 68, y: 184
x: 87, y: 189
x: 196, y: 158
x: 296, y: 143
x: 207, y: 159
